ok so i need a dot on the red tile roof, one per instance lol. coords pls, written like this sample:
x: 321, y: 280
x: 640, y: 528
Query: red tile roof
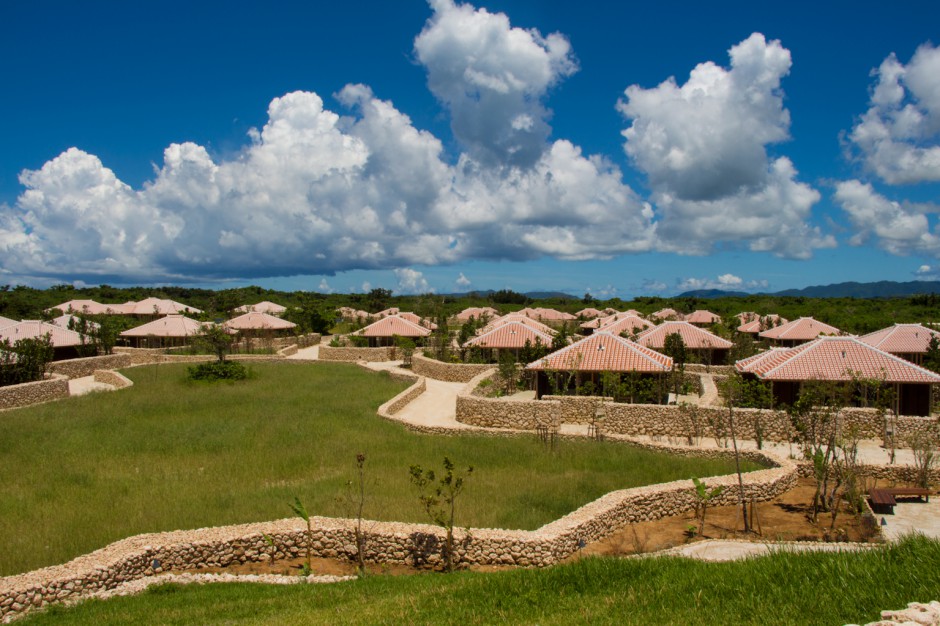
x: 515, y: 317
x: 550, y: 315
x: 665, y: 313
x: 753, y: 324
x: 694, y: 337
x: 417, y: 319
x: 394, y: 325
x: 477, y: 313
x: 834, y: 358
x: 703, y: 317
x: 262, y: 307
x: 803, y: 329
x: 6, y: 321
x: 389, y: 311
x: 63, y: 321
x: 603, y: 352
x: 154, y: 306
x: 901, y: 338
x: 169, y: 326
x: 627, y: 323
x: 89, y: 307
x: 33, y: 329
x: 589, y: 313
x: 511, y: 335
x: 258, y: 321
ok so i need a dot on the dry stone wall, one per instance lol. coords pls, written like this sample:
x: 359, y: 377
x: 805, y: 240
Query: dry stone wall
x: 448, y: 372
x: 79, y: 368
x: 385, y: 542
x: 115, y: 379
x: 55, y: 387
x: 371, y: 355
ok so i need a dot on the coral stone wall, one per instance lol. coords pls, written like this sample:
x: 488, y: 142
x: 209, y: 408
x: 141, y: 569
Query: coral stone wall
x: 449, y: 372
x: 372, y: 355
x: 115, y: 379
x: 385, y: 542
x: 55, y: 387
x: 79, y: 368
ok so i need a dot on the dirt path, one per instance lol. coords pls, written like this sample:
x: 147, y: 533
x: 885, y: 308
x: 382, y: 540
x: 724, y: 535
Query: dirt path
x: 86, y: 384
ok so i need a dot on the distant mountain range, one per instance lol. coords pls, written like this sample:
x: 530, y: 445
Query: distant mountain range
x: 880, y: 289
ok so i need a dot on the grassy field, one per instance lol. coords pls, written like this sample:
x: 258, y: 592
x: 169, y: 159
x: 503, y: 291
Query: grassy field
x: 169, y: 454
x: 784, y: 588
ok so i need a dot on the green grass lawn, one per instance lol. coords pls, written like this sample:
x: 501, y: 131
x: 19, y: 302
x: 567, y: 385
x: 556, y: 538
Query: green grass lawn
x: 168, y: 454
x: 783, y: 588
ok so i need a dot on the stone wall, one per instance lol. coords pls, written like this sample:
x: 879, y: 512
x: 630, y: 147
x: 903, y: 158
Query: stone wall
x: 397, y: 403
x: 385, y: 542
x: 79, y: 368
x: 55, y: 387
x: 287, y: 351
x: 449, y: 372
x: 347, y: 353
x: 115, y: 379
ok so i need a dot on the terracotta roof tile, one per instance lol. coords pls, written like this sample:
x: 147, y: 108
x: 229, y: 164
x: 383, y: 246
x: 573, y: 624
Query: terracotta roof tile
x: 33, y: 329
x: 603, y: 352
x: 258, y: 321
x: 6, y: 321
x: 169, y: 326
x: 477, y: 313
x: 753, y: 324
x: 834, y: 358
x: 694, y: 337
x: 265, y: 306
x: 901, y: 338
x: 393, y: 325
x: 802, y: 329
x: 627, y: 323
x: 589, y: 313
x: 703, y: 317
x: 515, y: 317
x: 511, y: 335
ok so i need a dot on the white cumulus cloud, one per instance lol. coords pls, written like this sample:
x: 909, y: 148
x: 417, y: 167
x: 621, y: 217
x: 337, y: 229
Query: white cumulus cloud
x: 898, y: 228
x: 898, y: 138
x: 703, y: 146
x: 411, y: 282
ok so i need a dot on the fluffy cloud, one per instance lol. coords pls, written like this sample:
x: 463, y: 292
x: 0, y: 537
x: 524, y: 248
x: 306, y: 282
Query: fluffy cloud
x: 725, y: 282
x: 703, y: 146
x: 493, y: 79
x: 899, y: 228
x: 898, y: 138
x: 463, y: 283
x: 324, y: 287
x: 927, y: 272
x: 411, y: 281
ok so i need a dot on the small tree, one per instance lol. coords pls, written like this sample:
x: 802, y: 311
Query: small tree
x: 301, y: 511
x: 215, y: 339
x: 674, y: 347
x: 407, y: 348
x: 733, y: 388
x: 439, y: 496
x: 704, y: 496
x: 508, y: 371
x: 924, y: 445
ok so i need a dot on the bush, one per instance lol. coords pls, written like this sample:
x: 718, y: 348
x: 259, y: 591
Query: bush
x: 218, y: 370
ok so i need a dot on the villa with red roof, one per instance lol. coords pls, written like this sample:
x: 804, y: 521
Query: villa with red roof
x: 629, y: 324
x: 516, y: 317
x: 6, y: 321
x: 384, y: 331
x: 476, y: 313
x: 265, y: 306
x: 665, y: 314
x: 798, y: 331
x: 255, y: 322
x: 589, y: 313
x: 66, y: 344
x: 87, y: 307
x: 588, y: 358
x: 908, y: 341
x: 703, y: 318
x: 168, y: 331
x: 709, y: 347
x: 841, y: 359
x: 511, y: 336
x: 752, y: 323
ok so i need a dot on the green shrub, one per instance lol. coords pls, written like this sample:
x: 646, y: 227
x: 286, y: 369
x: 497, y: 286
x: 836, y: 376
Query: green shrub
x: 218, y: 370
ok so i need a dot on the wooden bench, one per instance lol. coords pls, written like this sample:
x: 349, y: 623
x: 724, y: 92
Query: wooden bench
x: 884, y: 500
x: 919, y: 492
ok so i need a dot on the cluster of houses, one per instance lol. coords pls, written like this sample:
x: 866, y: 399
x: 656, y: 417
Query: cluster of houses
x: 166, y: 323
x: 627, y: 343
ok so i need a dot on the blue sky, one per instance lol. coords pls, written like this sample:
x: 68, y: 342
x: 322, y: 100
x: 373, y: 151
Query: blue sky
x: 447, y: 147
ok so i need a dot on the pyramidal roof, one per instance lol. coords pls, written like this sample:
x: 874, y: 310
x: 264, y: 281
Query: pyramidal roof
x: 33, y: 329
x: 265, y: 306
x: 627, y: 323
x: 169, y: 326
x: 901, y: 338
x: 511, y: 335
x: 802, y: 329
x: 394, y: 325
x: 258, y: 321
x: 694, y: 337
x: 604, y: 352
x: 834, y: 358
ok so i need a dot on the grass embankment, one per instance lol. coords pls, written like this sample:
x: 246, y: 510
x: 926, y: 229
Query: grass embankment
x: 168, y: 454
x: 785, y: 588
